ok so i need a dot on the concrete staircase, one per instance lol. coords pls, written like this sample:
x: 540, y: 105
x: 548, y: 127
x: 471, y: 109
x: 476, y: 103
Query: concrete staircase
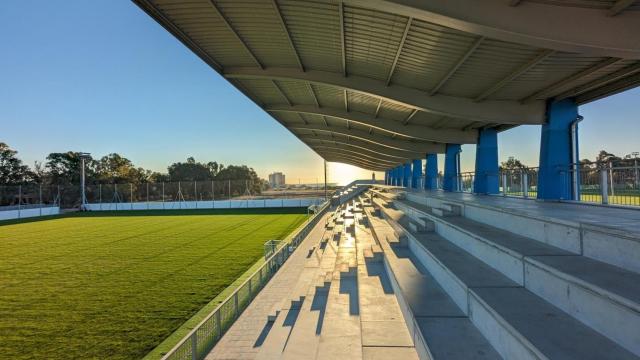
x: 345, y: 307
x: 518, y: 286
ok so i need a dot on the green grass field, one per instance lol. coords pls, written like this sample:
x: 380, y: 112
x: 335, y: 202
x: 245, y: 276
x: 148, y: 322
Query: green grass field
x: 115, y: 285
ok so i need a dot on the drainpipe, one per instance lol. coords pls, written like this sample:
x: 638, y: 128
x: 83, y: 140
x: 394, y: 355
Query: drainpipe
x: 575, y: 158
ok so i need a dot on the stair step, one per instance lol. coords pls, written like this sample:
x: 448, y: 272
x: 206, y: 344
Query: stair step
x: 603, y: 296
x: 522, y: 325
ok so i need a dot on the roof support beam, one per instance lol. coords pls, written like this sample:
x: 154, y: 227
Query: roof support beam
x: 614, y: 76
x: 514, y: 2
x: 399, y: 51
x: 609, y: 89
x: 570, y: 79
x: 363, y: 145
x: 148, y: 7
x: 493, y: 19
x: 620, y: 6
x: 235, y: 33
x: 313, y: 94
x: 419, y: 147
x: 519, y: 71
x: 406, y: 121
x: 387, y: 125
x: 378, y: 107
x: 353, y: 160
x: 357, y: 153
x: 286, y: 31
x: 490, y: 111
x: 457, y: 65
x: 343, y: 45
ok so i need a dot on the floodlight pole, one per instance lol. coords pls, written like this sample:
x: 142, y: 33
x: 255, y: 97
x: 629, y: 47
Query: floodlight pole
x: 325, y: 180
x: 83, y: 157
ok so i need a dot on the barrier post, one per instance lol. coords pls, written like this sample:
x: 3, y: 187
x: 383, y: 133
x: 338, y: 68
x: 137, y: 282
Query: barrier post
x: 40, y: 197
x: 604, y: 185
x: 19, y: 201
x: 525, y: 184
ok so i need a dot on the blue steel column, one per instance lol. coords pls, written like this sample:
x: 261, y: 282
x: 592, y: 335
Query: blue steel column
x: 431, y: 173
x: 386, y: 177
x: 486, y: 177
x: 396, y: 178
x: 451, y: 167
x: 554, y: 176
x: 407, y: 175
x: 417, y: 173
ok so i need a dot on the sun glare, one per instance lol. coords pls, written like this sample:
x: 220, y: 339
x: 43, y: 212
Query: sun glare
x: 343, y: 174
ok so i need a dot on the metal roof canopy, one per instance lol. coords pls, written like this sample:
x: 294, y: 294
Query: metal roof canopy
x: 377, y: 83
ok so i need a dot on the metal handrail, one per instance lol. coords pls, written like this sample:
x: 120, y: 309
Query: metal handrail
x: 199, y: 341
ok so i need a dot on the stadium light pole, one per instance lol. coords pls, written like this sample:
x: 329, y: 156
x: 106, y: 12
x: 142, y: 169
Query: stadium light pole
x: 325, y: 180
x: 83, y: 157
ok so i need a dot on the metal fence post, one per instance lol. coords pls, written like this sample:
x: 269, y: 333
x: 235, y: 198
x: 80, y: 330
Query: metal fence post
x: 194, y: 346
x: 163, y: 195
x: 218, y: 324
x: 147, y: 196
x: 504, y: 184
x: 604, y: 185
x: 195, y: 191
x: 131, y: 194
x: 525, y: 184
x: 19, y: 201
x: 235, y: 304
x: 100, y: 194
x: 40, y: 197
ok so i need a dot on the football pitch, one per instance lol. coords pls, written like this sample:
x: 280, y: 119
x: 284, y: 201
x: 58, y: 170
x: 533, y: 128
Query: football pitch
x: 107, y: 285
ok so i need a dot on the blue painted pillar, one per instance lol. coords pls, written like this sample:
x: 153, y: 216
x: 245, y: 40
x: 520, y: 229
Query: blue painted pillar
x: 487, y: 171
x: 393, y: 177
x: 556, y: 153
x: 451, y: 167
x: 396, y: 178
x: 431, y: 173
x: 386, y: 177
x: 407, y: 175
x: 416, y: 173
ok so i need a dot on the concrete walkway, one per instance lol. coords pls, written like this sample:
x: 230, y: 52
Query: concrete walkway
x: 614, y: 218
x: 240, y: 341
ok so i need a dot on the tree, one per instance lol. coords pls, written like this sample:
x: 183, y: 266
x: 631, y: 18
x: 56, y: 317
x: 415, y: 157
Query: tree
x: 512, y: 164
x: 12, y: 170
x: 191, y: 170
x: 65, y: 168
x: 118, y: 169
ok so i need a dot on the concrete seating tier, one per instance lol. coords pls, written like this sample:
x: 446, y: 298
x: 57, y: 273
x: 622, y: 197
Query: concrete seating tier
x: 530, y: 293
x: 344, y: 309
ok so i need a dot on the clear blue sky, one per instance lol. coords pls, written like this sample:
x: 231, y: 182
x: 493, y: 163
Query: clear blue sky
x: 101, y: 76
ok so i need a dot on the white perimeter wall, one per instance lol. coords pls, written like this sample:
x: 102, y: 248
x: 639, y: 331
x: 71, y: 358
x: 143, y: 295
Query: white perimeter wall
x: 27, y: 213
x: 218, y: 204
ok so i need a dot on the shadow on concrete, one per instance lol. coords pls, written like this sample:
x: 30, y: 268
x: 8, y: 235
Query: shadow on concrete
x: 377, y: 269
x: 349, y: 285
x: 319, y: 303
x: 263, y: 334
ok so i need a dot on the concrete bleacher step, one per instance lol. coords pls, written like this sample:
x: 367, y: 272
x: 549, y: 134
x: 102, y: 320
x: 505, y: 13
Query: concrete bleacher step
x: 437, y: 323
x: 593, y: 238
x: 373, y: 253
x: 276, y: 341
x: 340, y: 335
x: 600, y: 295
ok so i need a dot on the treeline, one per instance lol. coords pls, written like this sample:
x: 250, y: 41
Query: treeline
x: 65, y: 168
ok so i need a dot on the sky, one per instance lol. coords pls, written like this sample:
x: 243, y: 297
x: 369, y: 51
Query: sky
x: 101, y: 76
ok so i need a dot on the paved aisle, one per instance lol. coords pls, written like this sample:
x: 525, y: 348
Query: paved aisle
x: 238, y: 342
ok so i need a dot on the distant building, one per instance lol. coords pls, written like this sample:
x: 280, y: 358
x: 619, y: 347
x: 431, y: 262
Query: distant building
x: 276, y: 179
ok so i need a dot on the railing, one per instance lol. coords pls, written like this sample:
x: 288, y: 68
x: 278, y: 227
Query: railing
x: 595, y: 183
x: 199, y: 342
